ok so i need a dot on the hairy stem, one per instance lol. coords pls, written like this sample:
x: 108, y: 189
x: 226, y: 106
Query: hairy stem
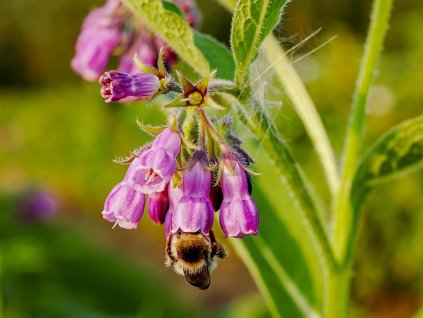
x: 343, y: 216
x: 303, y: 105
x: 343, y: 236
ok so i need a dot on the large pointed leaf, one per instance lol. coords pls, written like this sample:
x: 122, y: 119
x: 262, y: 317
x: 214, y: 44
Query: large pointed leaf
x: 398, y: 151
x: 173, y: 29
x: 253, y: 20
x: 216, y: 53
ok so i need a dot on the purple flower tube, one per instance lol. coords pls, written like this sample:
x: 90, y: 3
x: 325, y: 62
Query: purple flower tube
x: 194, y: 212
x: 118, y: 86
x: 124, y: 205
x: 238, y: 212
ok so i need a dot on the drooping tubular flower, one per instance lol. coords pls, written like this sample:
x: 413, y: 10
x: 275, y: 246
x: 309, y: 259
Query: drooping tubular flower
x: 125, y: 205
x: 114, y: 28
x: 238, y: 213
x: 100, y: 35
x: 194, y: 211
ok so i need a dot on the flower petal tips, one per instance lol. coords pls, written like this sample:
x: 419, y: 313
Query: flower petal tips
x: 239, y: 217
x: 118, y: 86
x: 238, y: 212
x: 154, y: 168
x: 124, y: 205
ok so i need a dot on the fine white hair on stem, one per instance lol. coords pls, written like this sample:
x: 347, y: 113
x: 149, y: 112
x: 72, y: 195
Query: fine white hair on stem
x: 266, y: 94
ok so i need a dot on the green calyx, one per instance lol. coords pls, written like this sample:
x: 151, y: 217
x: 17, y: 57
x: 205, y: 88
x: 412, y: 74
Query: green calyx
x: 195, y: 98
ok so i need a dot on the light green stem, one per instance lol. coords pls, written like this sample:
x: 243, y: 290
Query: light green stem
x: 337, y: 292
x: 342, y: 234
x: 303, y: 105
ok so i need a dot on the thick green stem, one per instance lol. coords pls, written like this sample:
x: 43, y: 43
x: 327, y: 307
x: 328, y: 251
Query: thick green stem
x: 343, y: 217
x: 303, y: 105
x: 337, y: 293
x: 343, y: 236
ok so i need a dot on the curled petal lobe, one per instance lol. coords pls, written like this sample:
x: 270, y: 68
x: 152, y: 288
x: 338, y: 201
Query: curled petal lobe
x: 124, y: 205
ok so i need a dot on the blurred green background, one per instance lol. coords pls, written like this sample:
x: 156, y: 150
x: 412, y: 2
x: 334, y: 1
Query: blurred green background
x: 57, y: 139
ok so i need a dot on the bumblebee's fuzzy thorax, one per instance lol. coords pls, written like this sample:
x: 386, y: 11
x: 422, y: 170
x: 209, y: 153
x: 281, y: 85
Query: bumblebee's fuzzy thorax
x: 192, y: 255
x: 192, y: 250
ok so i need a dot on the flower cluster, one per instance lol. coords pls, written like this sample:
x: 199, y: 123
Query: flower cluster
x: 195, y: 167
x: 184, y: 200
x: 113, y: 28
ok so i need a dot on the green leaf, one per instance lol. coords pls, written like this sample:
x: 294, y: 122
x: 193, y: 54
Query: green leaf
x: 252, y: 22
x: 398, y: 151
x: 201, y: 52
x: 276, y: 258
x: 217, y: 54
x: 173, y: 29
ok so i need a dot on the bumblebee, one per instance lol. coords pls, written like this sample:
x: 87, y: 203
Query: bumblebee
x: 193, y: 255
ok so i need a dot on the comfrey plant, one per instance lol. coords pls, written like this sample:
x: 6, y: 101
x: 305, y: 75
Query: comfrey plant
x: 185, y: 181
x: 195, y: 166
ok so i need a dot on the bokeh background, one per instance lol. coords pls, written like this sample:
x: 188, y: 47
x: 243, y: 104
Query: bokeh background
x: 59, y: 258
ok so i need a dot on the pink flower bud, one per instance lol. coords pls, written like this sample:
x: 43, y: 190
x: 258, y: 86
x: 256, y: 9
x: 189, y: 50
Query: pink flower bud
x: 158, y: 205
x: 238, y: 212
x: 124, y: 205
x: 119, y: 86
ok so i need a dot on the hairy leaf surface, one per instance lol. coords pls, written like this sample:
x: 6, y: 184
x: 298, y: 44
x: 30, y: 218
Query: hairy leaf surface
x: 173, y: 29
x: 253, y: 20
